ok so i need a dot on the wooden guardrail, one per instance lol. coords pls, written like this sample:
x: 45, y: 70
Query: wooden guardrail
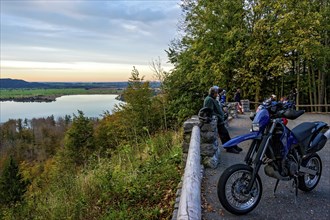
x: 326, y: 106
x: 190, y: 199
x: 315, y: 105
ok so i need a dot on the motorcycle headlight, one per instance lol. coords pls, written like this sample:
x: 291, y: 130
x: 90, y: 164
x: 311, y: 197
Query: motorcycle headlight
x: 255, y: 127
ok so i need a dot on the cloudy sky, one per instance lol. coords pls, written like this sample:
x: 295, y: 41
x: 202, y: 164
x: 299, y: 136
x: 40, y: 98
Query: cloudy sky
x: 85, y: 40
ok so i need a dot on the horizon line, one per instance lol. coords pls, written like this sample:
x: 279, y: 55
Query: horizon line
x: 77, y: 81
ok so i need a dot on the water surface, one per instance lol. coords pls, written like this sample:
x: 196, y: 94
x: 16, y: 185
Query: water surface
x: 91, y: 105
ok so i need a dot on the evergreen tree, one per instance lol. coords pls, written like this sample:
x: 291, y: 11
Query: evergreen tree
x: 138, y: 118
x: 138, y: 97
x: 12, y: 184
x: 79, y: 139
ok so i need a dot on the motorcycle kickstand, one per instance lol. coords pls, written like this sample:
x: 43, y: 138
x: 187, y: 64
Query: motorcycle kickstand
x: 276, y: 184
x: 295, y: 185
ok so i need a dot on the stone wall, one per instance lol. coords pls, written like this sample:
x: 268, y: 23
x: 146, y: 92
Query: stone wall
x: 246, y: 105
x: 210, y: 148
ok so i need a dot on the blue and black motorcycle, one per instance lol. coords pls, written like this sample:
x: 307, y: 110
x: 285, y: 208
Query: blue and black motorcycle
x: 286, y: 155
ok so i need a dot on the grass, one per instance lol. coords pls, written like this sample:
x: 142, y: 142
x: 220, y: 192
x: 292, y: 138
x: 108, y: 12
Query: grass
x: 26, y: 93
x: 129, y: 185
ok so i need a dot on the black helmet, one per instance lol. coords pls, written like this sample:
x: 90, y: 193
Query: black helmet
x: 205, y: 115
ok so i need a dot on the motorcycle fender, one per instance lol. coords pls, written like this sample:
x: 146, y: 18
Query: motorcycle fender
x: 327, y: 134
x: 236, y: 140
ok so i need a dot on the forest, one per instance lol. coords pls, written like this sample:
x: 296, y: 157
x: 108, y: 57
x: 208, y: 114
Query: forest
x: 262, y: 46
x: 128, y: 164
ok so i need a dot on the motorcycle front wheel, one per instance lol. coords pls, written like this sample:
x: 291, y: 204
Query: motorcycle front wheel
x: 308, y: 182
x: 232, y: 191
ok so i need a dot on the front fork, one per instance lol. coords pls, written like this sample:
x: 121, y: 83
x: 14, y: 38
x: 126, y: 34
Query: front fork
x: 260, y: 154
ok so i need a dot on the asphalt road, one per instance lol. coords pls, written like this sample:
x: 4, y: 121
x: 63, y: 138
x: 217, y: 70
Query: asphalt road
x: 282, y: 205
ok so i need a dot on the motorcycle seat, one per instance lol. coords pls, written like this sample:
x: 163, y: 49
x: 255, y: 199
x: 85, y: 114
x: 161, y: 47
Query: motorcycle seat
x: 303, y: 131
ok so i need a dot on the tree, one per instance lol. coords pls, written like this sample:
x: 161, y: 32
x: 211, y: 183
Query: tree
x: 214, y: 38
x: 264, y: 46
x: 131, y: 122
x: 12, y: 184
x: 138, y: 96
x: 160, y: 74
x: 110, y: 132
x: 79, y: 139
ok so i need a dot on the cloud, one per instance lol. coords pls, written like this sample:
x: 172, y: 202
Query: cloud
x: 87, y: 15
x: 121, y: 32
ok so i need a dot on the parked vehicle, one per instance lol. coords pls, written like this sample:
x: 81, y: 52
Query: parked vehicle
x: 287, y: 155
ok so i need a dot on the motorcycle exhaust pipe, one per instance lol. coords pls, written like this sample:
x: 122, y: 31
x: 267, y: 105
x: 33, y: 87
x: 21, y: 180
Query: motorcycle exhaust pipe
x: 269, y: 171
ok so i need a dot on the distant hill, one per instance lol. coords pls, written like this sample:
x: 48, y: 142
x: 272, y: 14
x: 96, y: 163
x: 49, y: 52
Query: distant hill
x: 7, y: 83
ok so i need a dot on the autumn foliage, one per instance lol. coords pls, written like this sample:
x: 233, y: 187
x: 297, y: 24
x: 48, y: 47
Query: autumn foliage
x: 122, y: 166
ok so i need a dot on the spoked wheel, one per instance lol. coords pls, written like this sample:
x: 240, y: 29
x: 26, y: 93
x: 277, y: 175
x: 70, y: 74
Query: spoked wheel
x: 308, y: 182
x: 232, y: 190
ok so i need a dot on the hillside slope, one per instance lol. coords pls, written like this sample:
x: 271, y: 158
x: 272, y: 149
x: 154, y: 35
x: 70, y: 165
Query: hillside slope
x: 8, y: 83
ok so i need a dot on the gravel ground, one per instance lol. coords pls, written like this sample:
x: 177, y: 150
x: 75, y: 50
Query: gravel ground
x: 282, y: 205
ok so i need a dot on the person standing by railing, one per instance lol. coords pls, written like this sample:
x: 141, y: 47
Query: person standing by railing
x: 212, y: 103
x: 222, y: 101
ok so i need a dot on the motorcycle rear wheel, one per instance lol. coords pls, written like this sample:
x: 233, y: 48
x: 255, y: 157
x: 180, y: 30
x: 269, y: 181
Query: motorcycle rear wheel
x: 231, y: 187
x: 308, y: 182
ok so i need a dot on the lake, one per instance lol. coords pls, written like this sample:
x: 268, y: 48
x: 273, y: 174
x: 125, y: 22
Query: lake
x: 91, y: 105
